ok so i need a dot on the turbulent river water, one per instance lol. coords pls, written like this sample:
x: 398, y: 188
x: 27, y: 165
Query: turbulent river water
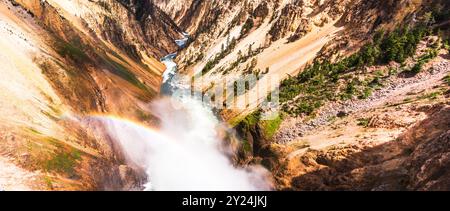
x: 186, y: 152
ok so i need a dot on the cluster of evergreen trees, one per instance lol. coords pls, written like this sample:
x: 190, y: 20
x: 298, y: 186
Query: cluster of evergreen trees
x: 231, y: 44
x: 316, y: 83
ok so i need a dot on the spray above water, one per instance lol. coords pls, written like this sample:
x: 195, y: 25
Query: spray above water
x: 186, y: 153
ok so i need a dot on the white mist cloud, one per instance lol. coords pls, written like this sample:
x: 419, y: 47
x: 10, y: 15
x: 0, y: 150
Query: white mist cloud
x: 186, y: 153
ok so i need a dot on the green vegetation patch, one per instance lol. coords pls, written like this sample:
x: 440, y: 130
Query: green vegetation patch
x: 270, y: 127
x: 121, y: 71
x: 363, y: 122
x: 63, y: 159
x: 231, y: 44
x: 322, y: 81
x: 73, y: 50
x: 63, y: 162
x: 447, y: 79
x: 250, y: 121
x: 143, y: 115
x: 246, y: 146
x: 430, y: 96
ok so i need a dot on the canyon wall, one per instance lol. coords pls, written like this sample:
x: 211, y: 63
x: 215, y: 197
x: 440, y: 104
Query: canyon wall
x: 68, y: 60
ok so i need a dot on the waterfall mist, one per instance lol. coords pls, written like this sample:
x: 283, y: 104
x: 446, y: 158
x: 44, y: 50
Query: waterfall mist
x: 186, y: 153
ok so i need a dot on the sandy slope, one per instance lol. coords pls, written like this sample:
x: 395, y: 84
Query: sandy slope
x: 286, y: 59
x: 13, y: 178
x: 26, y: 91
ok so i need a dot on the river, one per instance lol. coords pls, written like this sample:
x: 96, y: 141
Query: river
x: 186, y: 153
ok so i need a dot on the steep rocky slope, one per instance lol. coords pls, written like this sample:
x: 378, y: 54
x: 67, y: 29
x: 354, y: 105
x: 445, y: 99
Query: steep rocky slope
x: 64, y: 60
x: 377, y: 144
x: 149, y: 29
x: 366, y: 142
x: 378, y: 158
x: 278, y: 39
x: 275, y: 39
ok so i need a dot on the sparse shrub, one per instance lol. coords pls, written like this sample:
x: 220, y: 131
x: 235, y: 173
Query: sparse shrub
x: 417, y: 68
x: 407, y: 100
x: 366, y: 93
x: 447, y: 79
x: 430, y: 96
x: 305, y: 108
x: 376, y: 82
x: 363, y: 122
x: 446, y: 44
x: 246, y: 146
x: 392, y: 71
x: 248, y: 25
x: 231, y: 44
x: 64, y: 161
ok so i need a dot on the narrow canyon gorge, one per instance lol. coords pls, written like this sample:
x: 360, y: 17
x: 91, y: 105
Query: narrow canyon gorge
x: 225, y: 95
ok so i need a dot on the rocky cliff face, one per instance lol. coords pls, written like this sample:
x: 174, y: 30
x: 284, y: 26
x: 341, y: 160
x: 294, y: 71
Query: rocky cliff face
x: 278, y: 38
x: 177, y: 10
x: 153, y: 28
x: 67, y: 60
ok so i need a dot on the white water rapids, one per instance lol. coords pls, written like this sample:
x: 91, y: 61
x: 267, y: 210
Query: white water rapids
x: 187, y: 152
